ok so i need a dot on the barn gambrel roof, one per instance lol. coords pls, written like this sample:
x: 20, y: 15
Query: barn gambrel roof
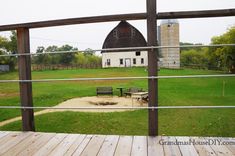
x: 124, y: 35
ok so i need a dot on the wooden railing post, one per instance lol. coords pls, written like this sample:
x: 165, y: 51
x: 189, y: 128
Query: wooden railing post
x: 152, y: 66
x: 24, y: 64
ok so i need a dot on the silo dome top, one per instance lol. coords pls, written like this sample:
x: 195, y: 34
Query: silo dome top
x: 169, y: 21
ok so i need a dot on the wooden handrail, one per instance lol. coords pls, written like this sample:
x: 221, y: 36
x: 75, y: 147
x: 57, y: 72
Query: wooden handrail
x: 72, y: 21
x: 111, y: 18
x: 196, y: 14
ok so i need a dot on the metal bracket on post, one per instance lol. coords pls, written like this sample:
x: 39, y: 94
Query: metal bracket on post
x: 153, y: 109
x: 152, y: 78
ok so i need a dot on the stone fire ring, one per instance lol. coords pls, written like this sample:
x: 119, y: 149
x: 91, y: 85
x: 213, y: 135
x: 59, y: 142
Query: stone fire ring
x: 100, y: 101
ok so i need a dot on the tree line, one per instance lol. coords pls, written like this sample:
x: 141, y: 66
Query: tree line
x: 81, y: 59
x: 78, y: 59
x: 222, y: 58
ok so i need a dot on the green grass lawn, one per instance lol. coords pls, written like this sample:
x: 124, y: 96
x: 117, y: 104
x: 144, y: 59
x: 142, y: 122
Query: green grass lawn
x: 195, y: 91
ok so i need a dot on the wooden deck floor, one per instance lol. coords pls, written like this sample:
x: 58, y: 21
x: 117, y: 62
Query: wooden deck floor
x: 25, y: 144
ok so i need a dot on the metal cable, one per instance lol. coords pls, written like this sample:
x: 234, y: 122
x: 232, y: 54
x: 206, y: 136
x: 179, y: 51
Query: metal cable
x: 160, y: 107
x: 119, y: 78
x: 119, y: 49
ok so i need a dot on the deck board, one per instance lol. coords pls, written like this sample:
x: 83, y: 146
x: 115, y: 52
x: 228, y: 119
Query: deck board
x: 124, y: 146
x: 35, y: 146
x: 32, y: 143
x: 8, y: 137
x: 109, y: 146
x: 61, y: 149
x: 203, y: 149
x: 49, y: 146
x: 13, y: 141
x: 93, y: 146
x: 231, y: 147
x: 169, y: 149
x: 2, y: 134
x: 187, y: 149
x: 23, y: 144
x: 139, y: 146
x: 83, y: 144
x: 220, y: 150
x: 75, y: 145
x: 154, y: 146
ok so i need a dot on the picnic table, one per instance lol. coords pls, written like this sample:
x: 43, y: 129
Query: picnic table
x: 139, y: 96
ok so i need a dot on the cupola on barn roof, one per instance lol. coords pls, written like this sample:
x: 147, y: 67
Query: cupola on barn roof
x: 124, y: 35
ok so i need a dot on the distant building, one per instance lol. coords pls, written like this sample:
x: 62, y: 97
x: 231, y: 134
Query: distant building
x: 168, y: 35
x: 4, y: 68
x: 124, y: 35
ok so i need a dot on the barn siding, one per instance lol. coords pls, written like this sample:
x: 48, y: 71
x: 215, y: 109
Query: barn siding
x: 116, y: 56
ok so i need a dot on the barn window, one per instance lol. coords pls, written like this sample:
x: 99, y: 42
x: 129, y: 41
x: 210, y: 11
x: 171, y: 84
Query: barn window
x: 108, y: 62
x: 121, y: 61
x: 142, y: 60
x: 137, y: 53
x: 134, y: 61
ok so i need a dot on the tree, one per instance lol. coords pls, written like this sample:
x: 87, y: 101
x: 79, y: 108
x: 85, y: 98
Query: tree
x: 8, y: 46
x: 224, y: 56
x: 3, y: 44
x: 64, y: 58
x: 194, y: 57
x: 13, y: 42
x: 40, y: 49
x: 190, y: 44
x: 80, y: 58
x: 39, y: 58
x: 52, y: 48
x: 89, y: 51
x: 230, y: 62
x: 67, y: 58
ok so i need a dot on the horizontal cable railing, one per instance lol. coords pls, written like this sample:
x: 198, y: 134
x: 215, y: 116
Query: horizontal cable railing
x: 134, y: 107
x: 119, y: 49
x: 120, y: 78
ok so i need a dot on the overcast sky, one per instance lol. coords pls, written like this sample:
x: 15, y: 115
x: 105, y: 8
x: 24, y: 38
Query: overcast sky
x: 92, y: 35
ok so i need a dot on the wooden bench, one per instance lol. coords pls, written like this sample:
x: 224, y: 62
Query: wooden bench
x: 133, y: 90
x: 104, y: 91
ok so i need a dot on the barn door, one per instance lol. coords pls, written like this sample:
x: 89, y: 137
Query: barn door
x: 128, y: 62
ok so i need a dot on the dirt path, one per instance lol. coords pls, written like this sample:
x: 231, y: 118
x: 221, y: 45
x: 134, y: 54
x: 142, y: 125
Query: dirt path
x: 87, y: 102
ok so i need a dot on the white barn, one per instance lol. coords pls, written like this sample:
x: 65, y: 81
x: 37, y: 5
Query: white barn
x: 124, y: 35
